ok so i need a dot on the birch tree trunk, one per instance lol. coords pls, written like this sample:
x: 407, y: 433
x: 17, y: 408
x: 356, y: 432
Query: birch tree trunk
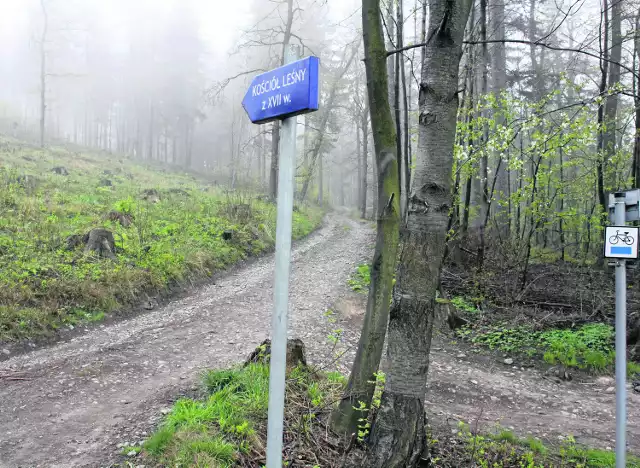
x: 398, y: 433
x: 359, y: 388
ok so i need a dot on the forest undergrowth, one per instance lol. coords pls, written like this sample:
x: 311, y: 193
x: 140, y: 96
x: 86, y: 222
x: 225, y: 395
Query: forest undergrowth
x: 167, y: 229
x: 562, y: 315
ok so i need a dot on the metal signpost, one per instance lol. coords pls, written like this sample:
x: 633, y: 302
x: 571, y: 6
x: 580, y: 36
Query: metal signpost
x: 282, y: 93
x: 621, y: 244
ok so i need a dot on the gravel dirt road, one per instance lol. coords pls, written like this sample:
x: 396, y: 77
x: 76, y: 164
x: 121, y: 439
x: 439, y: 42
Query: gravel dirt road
x: 80, y: 399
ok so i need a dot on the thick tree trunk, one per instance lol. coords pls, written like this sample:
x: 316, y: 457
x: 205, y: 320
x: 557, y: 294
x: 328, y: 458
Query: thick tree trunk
x: 359, y: 388
x: 398, y: 433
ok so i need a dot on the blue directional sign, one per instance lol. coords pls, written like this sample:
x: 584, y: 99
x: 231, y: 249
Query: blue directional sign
x: 284, y: 92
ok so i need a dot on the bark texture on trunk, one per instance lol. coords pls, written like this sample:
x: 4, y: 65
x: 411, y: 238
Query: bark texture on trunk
x: 398, y: 433
x: 345, y: 418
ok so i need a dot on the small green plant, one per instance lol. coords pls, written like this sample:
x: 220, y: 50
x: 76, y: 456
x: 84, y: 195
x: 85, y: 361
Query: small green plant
x: 583, y: 457
x: 588, y: 347
x: 363, y: 421
x: 462, y: 304
x: 536, y: 446
x: 361, y: 279
x: 380, y: 380
x: 633, y: 369
x: 125, y: 206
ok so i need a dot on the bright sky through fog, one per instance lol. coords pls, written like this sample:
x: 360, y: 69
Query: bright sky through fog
x: 221, y: 21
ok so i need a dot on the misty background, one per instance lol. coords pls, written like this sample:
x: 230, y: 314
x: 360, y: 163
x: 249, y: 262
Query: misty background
x: 163, y: 80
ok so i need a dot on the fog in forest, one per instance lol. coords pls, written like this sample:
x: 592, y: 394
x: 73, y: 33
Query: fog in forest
x: 164, y: 80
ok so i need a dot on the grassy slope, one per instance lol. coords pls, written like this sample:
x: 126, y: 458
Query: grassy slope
x: 43, y: 285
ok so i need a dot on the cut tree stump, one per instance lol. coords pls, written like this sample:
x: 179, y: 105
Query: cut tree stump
x: 76, y: 240
x: 151, y: 195
x: 124, y: 219
x: 101, y: 242
x: 295, y: 353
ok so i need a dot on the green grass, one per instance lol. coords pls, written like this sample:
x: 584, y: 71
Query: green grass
x: 361, y: 279
x: 228, y: 423
x: 45, y: 286
x: 588, y: 347
x: 504, y: 449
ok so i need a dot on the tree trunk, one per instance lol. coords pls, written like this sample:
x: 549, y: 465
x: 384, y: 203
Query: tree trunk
x: 604, y: 66
x: 635, y: 166
x: 273, y: 176
x: 398, y: 435
x: 484, y: 163
x: 359, y: 388
x: 406, y: 149
x: 615, y: 56
x: 498, y: 85
x: 365, y: 160
x: 326, y: 112
x: 396, y: 101
x: 43, y: 71
x: 359, y: 159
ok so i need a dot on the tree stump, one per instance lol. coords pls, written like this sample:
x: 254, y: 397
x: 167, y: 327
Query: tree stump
x: 76, y: 240
x: 100, y: 241
x: 151, y: 195
x: 124, y: 219
x: 295, y: 353
x: 60, y: 170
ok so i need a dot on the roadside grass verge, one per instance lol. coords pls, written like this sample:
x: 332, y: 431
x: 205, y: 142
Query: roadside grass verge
x: 169, y: 228
x: 504, y: 449
x: 226, y: 427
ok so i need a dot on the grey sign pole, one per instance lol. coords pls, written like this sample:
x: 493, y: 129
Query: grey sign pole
x: 279, y: 322
x: 621, y: 343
